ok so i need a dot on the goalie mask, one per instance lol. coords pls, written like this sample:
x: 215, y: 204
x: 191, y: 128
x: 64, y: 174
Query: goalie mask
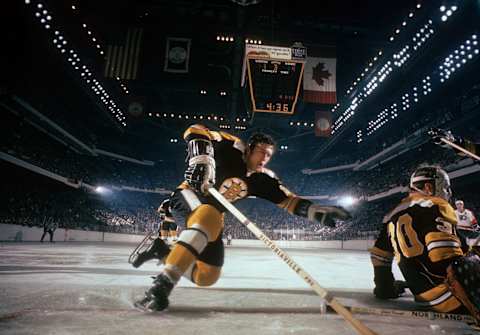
x: 434, y: 175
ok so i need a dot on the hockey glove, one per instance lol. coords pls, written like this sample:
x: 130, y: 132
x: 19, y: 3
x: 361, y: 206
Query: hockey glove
x: 438, y: 134
x: 200, y: 174
x: 327, y: 215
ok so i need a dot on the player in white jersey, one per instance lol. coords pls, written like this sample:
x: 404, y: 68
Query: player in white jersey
x: 467, y: 225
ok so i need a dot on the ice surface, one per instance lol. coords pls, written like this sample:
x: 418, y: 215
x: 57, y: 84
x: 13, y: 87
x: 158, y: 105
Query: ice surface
x: 89, y: 288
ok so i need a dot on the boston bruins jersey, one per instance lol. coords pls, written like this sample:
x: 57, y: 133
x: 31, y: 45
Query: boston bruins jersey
x: 232, y: 178
x: 420, y: 233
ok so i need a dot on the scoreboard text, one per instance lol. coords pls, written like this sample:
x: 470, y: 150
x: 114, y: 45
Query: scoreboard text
x: 274, y: 84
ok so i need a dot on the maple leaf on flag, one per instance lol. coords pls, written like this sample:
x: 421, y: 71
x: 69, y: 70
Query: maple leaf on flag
x: 320, y: 73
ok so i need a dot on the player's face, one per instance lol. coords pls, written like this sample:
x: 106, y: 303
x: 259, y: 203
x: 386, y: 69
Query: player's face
x: 459, y: 206
x: 259, y: 157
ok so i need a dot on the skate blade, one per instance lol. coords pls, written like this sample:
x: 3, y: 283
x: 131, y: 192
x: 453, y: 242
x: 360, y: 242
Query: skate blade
x: 142, y: 308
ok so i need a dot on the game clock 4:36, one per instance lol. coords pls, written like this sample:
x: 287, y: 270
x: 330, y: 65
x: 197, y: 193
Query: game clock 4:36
x: 274, y: 84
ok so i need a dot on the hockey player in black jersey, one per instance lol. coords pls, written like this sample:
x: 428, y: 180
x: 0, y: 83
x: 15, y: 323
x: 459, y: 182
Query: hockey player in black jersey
x: 420, y: 233
x: 220, y: 160
x: 154, y: 245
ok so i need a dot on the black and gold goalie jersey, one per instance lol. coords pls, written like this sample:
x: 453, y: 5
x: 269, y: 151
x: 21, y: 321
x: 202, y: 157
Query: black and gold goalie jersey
x: 421, y: 233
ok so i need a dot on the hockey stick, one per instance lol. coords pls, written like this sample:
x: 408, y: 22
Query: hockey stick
x: 337, y: 306
x: 430, y: 315
x: 465, y: 151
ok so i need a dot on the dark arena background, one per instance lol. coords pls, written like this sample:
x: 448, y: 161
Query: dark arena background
x: 95, y: 97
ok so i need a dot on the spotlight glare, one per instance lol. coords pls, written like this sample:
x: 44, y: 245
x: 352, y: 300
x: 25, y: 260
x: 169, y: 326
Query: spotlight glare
x: 347, y: 201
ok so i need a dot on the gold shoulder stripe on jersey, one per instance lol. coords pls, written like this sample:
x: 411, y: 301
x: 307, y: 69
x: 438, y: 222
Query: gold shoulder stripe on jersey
x: 447, y: 212
x: 193, y: 130
x: 229, y: 137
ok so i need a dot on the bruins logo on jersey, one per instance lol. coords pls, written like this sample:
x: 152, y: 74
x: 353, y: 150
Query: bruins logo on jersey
x: 234, y: 189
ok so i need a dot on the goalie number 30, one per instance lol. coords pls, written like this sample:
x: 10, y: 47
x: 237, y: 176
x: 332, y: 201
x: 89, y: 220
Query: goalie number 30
x: 406, y: 236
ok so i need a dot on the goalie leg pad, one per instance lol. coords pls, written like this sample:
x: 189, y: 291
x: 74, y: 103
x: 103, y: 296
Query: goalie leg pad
x: 463, y: 278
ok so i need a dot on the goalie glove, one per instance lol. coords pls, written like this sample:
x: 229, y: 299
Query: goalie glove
x: 327, y: 215
x: 438, y: 134
x: 200, y: 173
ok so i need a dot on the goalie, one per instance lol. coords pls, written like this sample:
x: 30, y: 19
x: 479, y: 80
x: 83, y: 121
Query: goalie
x: 220, y: 160
x: 421, y: 233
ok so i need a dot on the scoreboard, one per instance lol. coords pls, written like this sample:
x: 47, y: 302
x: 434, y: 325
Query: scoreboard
x: 274, y: 78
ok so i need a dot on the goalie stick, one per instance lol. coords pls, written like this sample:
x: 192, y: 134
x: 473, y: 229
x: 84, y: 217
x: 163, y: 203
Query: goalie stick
x: 429, y: 315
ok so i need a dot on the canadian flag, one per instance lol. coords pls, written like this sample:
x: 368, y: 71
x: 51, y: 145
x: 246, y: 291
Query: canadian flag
x: 320, y: 80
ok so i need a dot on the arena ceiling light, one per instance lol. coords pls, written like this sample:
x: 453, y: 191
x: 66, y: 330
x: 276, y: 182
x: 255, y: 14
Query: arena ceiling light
x: 60, y: 42
x: 224, y: 38
x: 464, y: 53
x: 447, y: 12
x: 399, y: 58
x: 95, y: 43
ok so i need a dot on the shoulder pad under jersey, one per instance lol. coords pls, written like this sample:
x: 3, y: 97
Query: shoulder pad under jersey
x: 425, y: 201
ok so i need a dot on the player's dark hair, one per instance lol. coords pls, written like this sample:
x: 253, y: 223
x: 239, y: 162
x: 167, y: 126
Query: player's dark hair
x: 258, y: 138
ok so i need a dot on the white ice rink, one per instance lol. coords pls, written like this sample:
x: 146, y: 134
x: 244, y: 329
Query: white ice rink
x: 89, y: 288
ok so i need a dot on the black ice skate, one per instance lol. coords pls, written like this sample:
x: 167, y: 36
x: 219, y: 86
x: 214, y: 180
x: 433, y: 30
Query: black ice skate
x: 156, y: 249
x: 156, y: 298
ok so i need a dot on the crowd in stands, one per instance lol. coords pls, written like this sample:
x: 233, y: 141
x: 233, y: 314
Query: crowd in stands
x: 30, y: 202
x: 383, y: 177
x: 26, y: 142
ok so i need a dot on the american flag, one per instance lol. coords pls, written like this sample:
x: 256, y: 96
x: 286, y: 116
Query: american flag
x: 122, y: 60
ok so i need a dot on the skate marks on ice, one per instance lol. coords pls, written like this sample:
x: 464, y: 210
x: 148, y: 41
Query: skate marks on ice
x: 81, y: 288
x: 105, y: 310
